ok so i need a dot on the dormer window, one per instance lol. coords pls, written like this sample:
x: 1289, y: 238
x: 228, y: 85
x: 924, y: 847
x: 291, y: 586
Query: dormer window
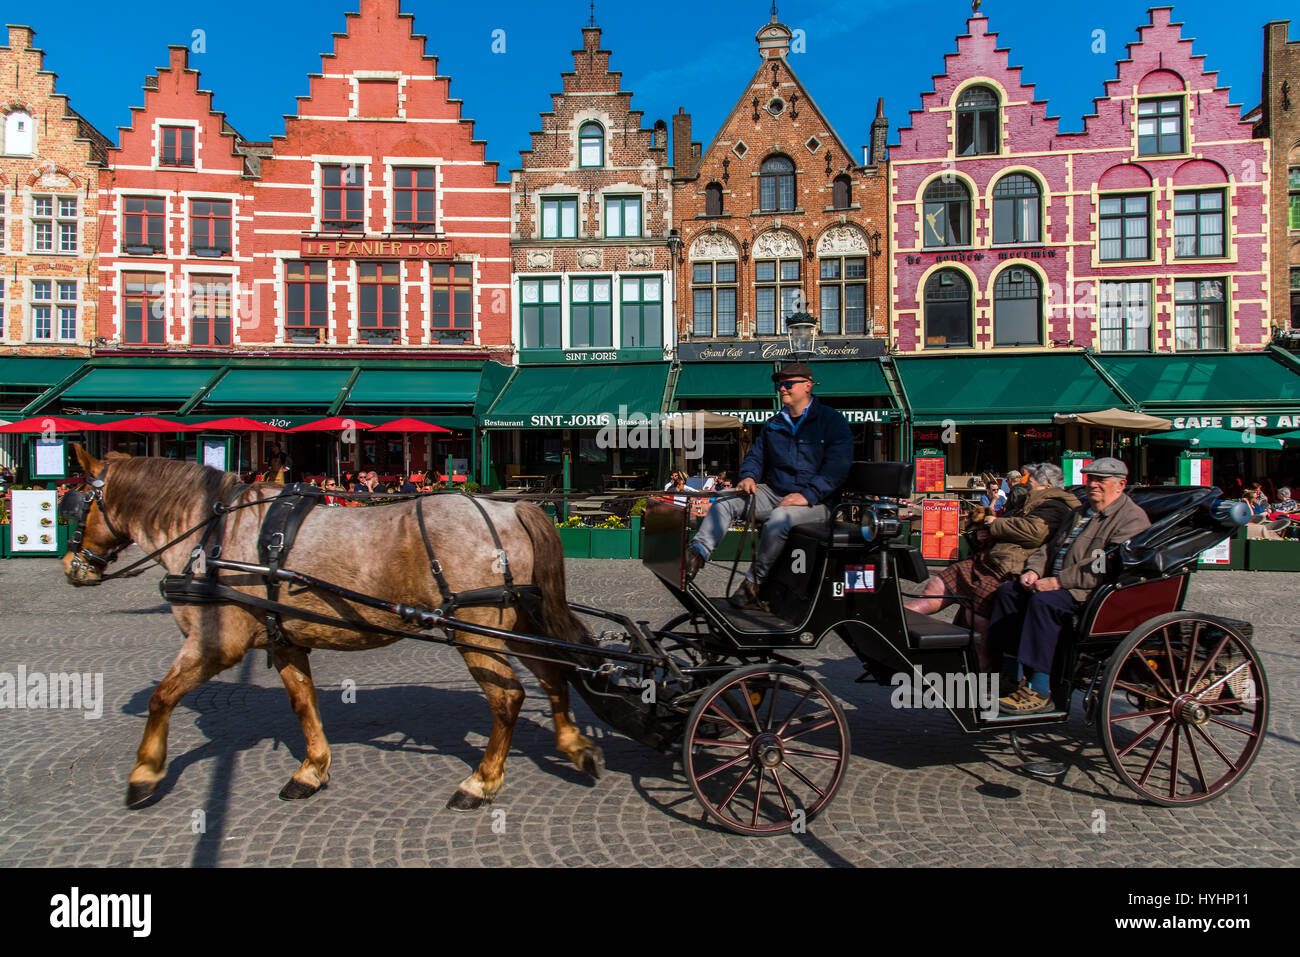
x: 20, y: 134
x: 177, y: 147
x: 842, y: 192
x: 1160, y: 127
x: 713, y: 199
x: 977, y: 122
x: 591, y: 145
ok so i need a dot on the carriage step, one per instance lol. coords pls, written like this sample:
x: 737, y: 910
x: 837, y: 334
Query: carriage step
x: 1013, y: 719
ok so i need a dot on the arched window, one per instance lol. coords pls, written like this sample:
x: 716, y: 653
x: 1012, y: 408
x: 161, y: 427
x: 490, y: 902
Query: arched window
x: 20, y: 134
x: 591, y: 145
x: 1017, y: 308
x: 842, y: 192
x: 947, y: 214
x: 947, y: 310
x: 1016, y: 203
x: 713, y: 199
x: 977, y: 122
x: 776, y: 185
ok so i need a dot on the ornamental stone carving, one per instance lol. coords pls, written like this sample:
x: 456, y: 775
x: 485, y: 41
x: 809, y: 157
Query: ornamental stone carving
x: 843, y: 239
x: 640, y: 258
x: 714, y: 246
x: 590, y: 259
x: 541, y: 259
x: 778, y: 244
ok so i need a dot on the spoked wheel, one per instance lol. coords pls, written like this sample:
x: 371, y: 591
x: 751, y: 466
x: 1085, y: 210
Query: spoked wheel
x: 1183, y: 709
x: 765, y: 748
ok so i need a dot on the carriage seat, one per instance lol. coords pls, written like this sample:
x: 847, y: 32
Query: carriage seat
x: 930, y: 634
x: 1159, y: 501
x: 837, y: 534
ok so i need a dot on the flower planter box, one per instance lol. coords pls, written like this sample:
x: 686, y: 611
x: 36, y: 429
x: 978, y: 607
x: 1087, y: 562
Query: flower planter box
x: 611, y: 543
x: 1271, y: 556
x: 4, y: 541
x: 576, y: 541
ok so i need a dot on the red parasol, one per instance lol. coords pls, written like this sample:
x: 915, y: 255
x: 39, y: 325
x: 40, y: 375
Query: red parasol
x: 149, y: 423
x: 43, y: 423
x: 409, y: 425
x: 241, y: 424
x: 332, y: 424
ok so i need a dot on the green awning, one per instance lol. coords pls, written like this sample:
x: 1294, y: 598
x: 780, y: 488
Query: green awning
x: 412, y: 387
x: 1214, y: 439
x: 1232, y: 381
x: 35, y: 372
x: 141, y: 383
x: 1002, y: 389
x: 279, y: 388
x: 862, y: 377
x: 578, y: 396
x: 725, y: 380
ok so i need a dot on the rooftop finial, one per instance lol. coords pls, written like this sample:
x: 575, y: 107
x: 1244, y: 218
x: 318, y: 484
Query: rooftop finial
x: 774, y: 11
x: 593, y: 14
x: 975, y: 6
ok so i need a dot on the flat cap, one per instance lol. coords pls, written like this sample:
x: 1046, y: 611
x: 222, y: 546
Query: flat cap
x: 1113, y: 468
x: 793, y: 370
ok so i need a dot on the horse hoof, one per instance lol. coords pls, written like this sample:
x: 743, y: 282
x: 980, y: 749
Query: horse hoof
x: 137, y: 794
x: 593, y: 762
x: 295, y: 790
x: 462, y: 800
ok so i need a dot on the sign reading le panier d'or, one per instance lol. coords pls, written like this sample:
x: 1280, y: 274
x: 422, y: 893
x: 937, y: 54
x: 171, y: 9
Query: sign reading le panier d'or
x: 376, y: 249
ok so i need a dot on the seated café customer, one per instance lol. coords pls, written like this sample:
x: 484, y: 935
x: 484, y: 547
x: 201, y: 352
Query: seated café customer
x: 993, y: 496
x: 1005, y: 544
x: 411, y: 485
x: 1030, y: 614
x: 1285, y: 504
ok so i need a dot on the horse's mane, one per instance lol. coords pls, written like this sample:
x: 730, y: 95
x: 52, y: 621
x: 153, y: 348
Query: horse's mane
x: 162, y: 494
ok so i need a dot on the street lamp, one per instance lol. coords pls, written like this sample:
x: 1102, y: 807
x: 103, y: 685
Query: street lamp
x: 803, y: 335
x: 675, y: 245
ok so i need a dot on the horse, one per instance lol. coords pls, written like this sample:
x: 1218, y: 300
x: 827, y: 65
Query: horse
x: 376, y: 551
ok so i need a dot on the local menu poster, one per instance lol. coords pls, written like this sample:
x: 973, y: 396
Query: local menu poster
x: 940, y: 529
x: 931, y: 474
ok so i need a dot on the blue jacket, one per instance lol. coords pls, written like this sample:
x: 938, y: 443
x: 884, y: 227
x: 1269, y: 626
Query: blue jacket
x: 812, y: 459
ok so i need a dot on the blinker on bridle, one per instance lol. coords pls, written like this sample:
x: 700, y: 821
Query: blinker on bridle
x: 75, y: 507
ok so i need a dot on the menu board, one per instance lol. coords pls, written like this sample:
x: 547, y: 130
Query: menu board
x: 215, y: 451
x: 1196, y: 471
x: 940, y: 529
x: 49, y: 458
x: 35, y: 520
x: 931, y: 472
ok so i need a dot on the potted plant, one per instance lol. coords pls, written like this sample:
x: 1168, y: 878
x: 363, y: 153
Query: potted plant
x: 575, y: 537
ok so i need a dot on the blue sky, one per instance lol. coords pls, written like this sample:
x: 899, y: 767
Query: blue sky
x: 857, y: 50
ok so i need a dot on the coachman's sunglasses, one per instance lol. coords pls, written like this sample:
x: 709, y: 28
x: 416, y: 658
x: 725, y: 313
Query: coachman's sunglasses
x: 789, y: 383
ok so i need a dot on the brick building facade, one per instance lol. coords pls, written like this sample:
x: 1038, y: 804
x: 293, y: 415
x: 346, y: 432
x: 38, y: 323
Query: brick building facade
x: 50, y: 159
x: 778, y: 212
x: 1146, y: 232
x: 1278, y: 121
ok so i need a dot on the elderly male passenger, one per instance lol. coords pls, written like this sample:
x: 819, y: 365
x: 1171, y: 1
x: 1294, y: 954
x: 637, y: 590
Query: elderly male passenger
x: 1006, y: 542
x: 1057, y: 580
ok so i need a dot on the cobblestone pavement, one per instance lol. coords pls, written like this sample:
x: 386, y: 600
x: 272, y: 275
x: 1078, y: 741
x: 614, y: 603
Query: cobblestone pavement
x: 917, y: 791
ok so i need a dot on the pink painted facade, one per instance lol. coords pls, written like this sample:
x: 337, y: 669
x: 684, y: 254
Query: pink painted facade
x: 1073, y: 240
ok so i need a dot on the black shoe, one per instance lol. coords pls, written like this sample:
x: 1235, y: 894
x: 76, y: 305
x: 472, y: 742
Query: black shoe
x: 694, y: 562
x: 746, y: 597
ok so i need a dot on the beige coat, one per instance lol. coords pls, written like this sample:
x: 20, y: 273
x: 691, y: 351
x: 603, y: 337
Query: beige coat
x: 1081, y: 571
x: 1015, y: 537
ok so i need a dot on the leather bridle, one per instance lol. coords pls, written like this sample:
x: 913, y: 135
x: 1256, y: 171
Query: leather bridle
x: 75, y: 508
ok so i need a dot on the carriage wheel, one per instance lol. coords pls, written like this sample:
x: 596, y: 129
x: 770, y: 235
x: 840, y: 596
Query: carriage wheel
x: 1183, y: 709
x: 765, y: 749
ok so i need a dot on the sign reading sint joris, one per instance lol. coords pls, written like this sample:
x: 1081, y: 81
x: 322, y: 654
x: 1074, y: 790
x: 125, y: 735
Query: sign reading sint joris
x: 376, y: 249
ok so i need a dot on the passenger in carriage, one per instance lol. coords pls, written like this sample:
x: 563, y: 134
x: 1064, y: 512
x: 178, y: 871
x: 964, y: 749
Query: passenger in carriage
x: 1031, y: 614
x: 1006, y: 543
x: 794, y: 469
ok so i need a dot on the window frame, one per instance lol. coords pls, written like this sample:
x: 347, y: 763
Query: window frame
x: 947, y: 202
x: 148, y: 300
x: 1293, y: 198
x: 779, y: 286
x: 777, y: 182
x: 1199, y: 303
x: 841, y: 283
x: 1158, y: 101
x: 714, y: 289
x: 1028, y: 274
x: 40, y: 299
x: 209, y: 221
x: 1124, y: 217
x: 585, y: 138
x: 415, y: 191
x: 714, y: 200
x: 375, y: 281
x: 1019, y: 202
x: 1126, y: 326
x: 842, y: 183
x: 347, y: 191
x: 56, y: 222
x: 623, y: 201
x: 639, y: 305
x: 215, y: 302
x: 179, y: 151
x: 590, y: 309
x: 457, y: 284
x: 1197, y: 212
x: 972, y: 113
x: 537, y: 313
x: 559, y: 203
x: 309, y: 282
x: 30, y: 133
x: 146, y: 221
x: 935, y: 277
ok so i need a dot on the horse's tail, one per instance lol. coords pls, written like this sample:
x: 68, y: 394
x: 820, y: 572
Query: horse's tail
x: 557, y: 619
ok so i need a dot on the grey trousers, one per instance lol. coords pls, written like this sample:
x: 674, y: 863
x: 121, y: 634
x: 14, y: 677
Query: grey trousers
x: 776, y: 521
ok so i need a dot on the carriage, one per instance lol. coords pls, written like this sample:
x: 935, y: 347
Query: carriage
x: 1179, y: 698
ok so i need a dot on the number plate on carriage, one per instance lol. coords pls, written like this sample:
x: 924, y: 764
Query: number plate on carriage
x: 859, y: 578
